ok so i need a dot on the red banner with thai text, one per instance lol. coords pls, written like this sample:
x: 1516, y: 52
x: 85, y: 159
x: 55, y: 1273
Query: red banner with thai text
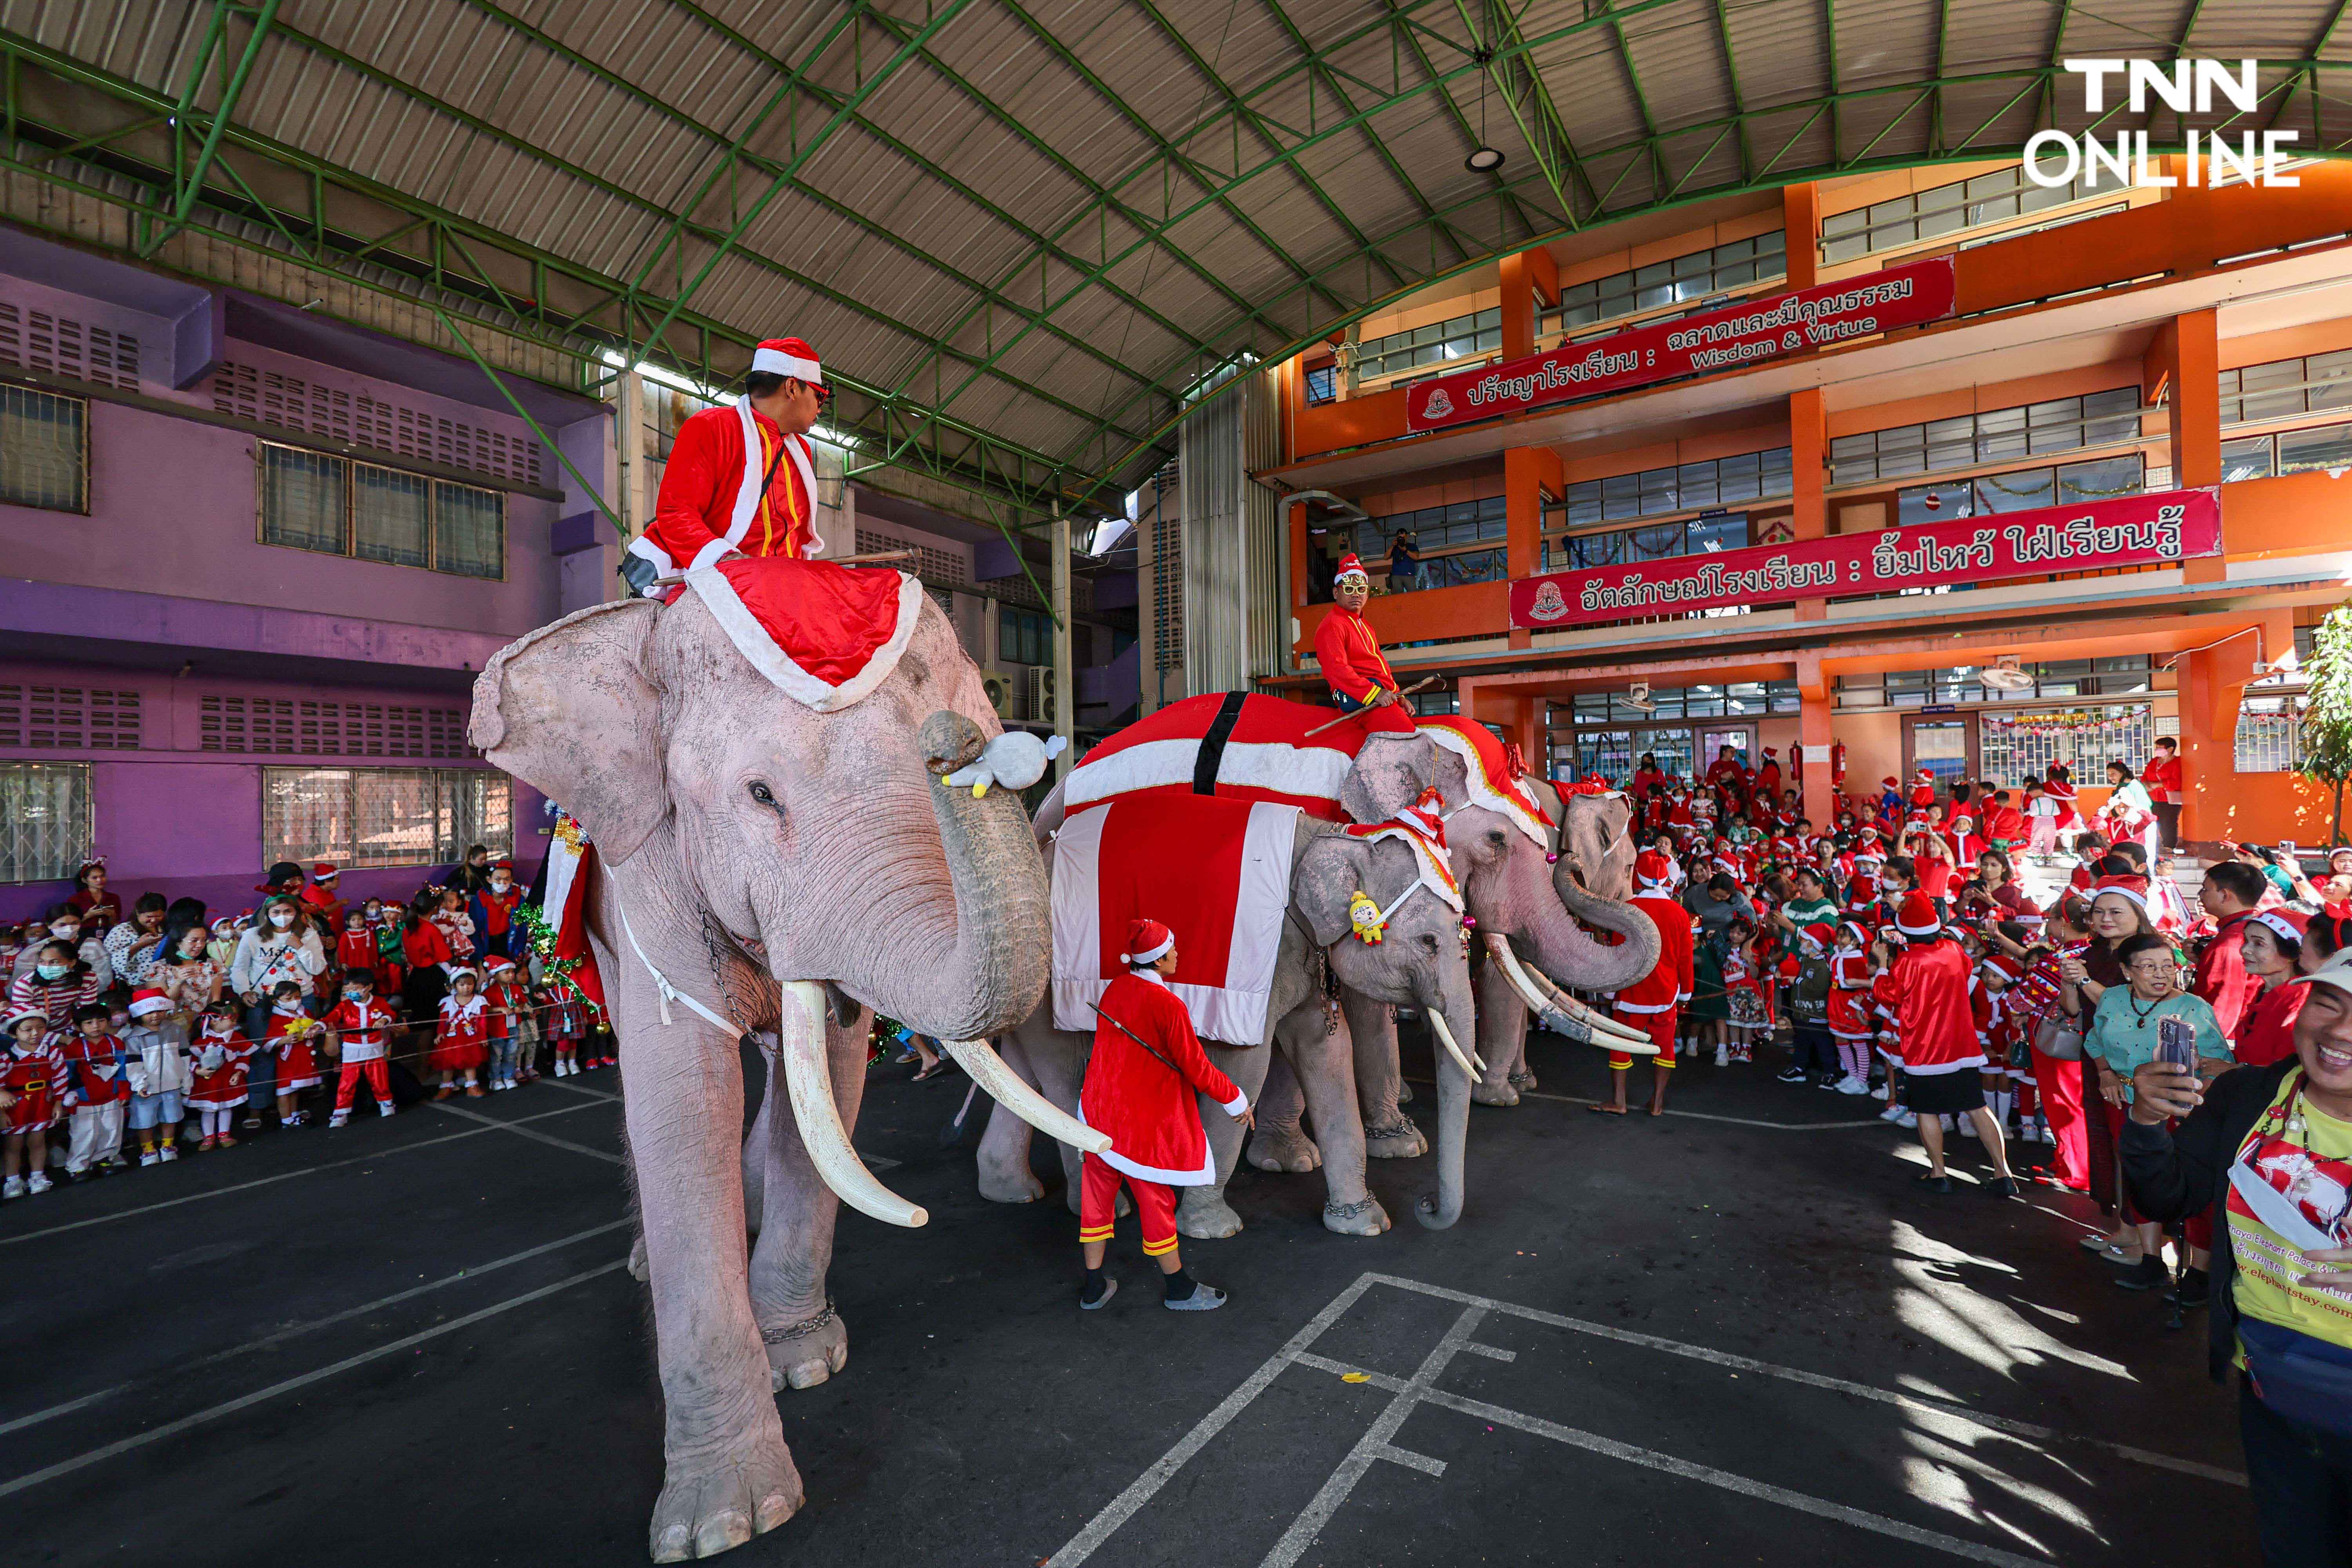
x: 1758, y: 329
x: 2162, y: 528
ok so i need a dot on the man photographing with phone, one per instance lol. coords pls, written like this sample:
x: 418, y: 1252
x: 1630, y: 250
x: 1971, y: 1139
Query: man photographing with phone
x: 2265, y: 1154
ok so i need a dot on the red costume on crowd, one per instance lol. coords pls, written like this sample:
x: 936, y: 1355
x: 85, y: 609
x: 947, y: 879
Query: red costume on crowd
x: 1653, y: 1003
x: 2221, y: 974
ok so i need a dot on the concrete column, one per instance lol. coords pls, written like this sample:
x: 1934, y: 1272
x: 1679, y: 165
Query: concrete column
x: 1527, y: 730
x: 2184, y: 361
x: 1527, y: 473
x: 1530, y: 280
x: 1809, y: 445
x: 1800, y: 218
x: 1064, y: 691
x: 1813, y: 710
x: 2213, y: 680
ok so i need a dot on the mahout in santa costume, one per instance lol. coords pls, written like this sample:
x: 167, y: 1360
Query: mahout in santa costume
x: 1653, y: 1003
x: 1349, y: 653
x: 1942, y: 1058
x: 32, y: 1079
x: 223, y: 1059
x: 461, y: 1043
x: 360, y: 1026
x: 1139, y: 1088
x: 741, y: 478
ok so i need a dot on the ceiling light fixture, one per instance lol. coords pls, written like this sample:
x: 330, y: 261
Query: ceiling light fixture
x: 1485, y: 158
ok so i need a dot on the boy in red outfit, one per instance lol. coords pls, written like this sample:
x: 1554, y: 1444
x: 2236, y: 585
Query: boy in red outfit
x: 99, y: 1086
x: 360, y: 1026
x: 1147, y: 1065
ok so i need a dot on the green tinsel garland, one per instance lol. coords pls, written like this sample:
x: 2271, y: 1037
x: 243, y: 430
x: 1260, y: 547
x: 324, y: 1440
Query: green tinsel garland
x: 533, y: 921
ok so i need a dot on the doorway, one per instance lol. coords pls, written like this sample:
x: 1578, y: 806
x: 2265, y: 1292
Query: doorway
x: 1946, y: 747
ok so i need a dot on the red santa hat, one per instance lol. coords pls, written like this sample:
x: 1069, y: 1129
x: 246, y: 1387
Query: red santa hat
x: 2289, y: 925
x: 1918, y: 916
x: 149, y: 999
x: 2132, y: 888
x: 2002, y: 964
x: 1652, y: 870
x: 1890, y: 782
x: 1815, y: 938
x: 827, y: 635
x: 324, y: 871
x: 789, y: 356
x: 1924, y: 775
x: 16, y: 1016
x: 1147, y: 942
x: 1770, y: 753
x: 497, y: 963
x: 1350, y: 568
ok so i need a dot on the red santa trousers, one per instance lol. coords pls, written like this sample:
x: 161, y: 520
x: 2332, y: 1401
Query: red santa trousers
x: 1659, y: 1026
x: 1155, y: 1206
x: 2061, y: 1084
x: 379, y: 1083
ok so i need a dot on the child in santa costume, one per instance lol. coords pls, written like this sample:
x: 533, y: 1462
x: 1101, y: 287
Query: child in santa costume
x: 506, y: 1002
x: 1850, y: 1024
x: 1140, y: 1081
x: 160, y: 1076
x: 32, y: 1075
x: 97, y: 1087
x: 292, y: 1038
x: 360, y: 1026
x: 355, y: 949
x: 741, y: 478
x: 497, y: 932
x: 1653, y: 1003
x: 222, y: 1057
x: 1349, y: 652
x: 1942, y: 1061
x: 567, y: 1025
x: 321, y: 900
x: 455, y: 926
x: 461, y: 1043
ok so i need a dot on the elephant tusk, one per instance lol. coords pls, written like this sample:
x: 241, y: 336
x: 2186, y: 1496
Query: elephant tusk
x: 1568, y: 1009
x: 987, y: 1070
x: 1446, y: 1038
x: 808, y: 1080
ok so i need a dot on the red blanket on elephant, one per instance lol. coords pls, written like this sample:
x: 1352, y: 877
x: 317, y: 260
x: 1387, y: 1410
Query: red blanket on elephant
x: 1216, y: 872
x: 1246, y: 747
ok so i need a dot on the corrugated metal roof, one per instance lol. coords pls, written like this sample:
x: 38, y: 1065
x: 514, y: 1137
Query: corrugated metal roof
x: 1050, y: 218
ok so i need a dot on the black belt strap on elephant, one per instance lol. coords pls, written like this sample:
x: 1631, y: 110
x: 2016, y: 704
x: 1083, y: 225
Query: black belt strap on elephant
x: 1212, y: 754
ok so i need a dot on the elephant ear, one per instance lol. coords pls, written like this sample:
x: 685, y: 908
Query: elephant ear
x: 570, y: 711
x: 1389, y: 774
x: 1453, y: 777
x: 1333, y: 868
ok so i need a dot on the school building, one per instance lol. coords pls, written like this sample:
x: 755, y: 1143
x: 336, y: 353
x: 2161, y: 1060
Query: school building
x: 2151, y: 386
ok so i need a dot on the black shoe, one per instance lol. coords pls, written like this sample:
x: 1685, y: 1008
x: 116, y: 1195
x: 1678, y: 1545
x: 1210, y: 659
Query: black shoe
x: 1932, y: 1181
x: 2148, y: 1274
x: 2194, y: 1289
x: 1791, y: 1075
x: 2005, y: 1187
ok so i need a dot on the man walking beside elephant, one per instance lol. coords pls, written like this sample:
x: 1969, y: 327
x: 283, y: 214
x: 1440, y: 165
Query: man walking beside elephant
x: 1140, y: 1085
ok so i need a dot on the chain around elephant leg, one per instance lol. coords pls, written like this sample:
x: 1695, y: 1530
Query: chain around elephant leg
x: 804, y: 1354
x: 1397, y: 1140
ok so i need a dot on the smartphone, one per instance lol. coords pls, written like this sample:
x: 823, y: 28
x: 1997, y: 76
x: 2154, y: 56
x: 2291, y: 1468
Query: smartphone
x: 2176, y: 1042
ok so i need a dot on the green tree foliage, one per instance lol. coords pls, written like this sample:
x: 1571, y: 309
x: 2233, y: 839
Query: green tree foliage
x: 2327, y: 719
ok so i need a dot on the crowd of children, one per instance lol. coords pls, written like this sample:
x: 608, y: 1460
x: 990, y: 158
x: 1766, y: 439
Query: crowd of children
x: 165, y: 1029
x: 1895, y: 947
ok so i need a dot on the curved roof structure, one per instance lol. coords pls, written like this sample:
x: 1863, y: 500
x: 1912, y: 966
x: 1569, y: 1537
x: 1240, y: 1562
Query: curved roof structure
x: 1021, y: 231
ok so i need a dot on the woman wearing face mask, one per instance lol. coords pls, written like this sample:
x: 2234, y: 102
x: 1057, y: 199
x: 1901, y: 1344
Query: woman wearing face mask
x: 189, y: 977
x: 65, y: 925
x: 57, y: 982
x: 133, y: 945
x: 278, y: 947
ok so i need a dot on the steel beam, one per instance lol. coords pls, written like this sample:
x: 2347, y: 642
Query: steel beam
x: 191, y: 182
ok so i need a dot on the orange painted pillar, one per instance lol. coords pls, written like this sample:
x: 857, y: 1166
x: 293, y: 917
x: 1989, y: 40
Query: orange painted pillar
x: 1530, y: 280
x: 1809, y: 443
x: 1801, y: 219
x: 1529, y: 472
x: 2213, y: 680
x: 1527, y: 730
x: 1813, y: 734
x: 2184, y: 359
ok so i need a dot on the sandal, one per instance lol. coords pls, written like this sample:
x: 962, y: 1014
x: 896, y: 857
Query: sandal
x: 933, y: 1071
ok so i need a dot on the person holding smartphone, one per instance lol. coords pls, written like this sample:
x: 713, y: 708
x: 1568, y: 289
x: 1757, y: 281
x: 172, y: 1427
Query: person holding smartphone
x: 2148, y: 1018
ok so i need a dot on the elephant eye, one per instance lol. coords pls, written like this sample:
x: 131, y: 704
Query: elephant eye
x: 763, y: 795
x: 1494, y: 837
x: 1428, y: 942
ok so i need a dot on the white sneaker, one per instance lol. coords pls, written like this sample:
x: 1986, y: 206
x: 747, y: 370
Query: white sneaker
x: 384, y: 1108
x: 38, y: 1181
x: 170, y: 1151
x: 1852, y: 1085
x: 1907, y: 1120
x: 1879, y: 1093
x: 1892, y: 1113
x: 339, y: 1119
x: 13, y: 1187
x: 1722, y: 1054
x: 149, y: 1157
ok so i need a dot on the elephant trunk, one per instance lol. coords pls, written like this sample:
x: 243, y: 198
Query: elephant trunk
x: 993, y: 975
x: 1450, y: 1023
x: 1574, y: 958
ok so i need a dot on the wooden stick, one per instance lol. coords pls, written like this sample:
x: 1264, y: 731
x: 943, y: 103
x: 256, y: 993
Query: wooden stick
x: 1416, y: 686
x: 874, y: 559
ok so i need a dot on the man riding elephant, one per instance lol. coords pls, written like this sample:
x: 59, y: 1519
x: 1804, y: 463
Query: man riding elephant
x: 1349, y: 652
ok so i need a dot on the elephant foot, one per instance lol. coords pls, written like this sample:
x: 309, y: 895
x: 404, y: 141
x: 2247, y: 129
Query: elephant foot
x: 1399, y: 1140
x: 639, y: 1269
x: 1287, y: 1149
x: 804, y: 1354
x: 1363, y: 1217
x: 1523, y: 1080
x: 1484, y: 1093
x: 1405, y: 1092
x: 1208, y: 1219
x: 707, y: 1508
x: 1010, y: 1187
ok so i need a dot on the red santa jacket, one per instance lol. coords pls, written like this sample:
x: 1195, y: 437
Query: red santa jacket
x: 1667, y: 986
x: 360, y: 1029
x: 713, y: 502
x: 1933, y: 1009
x: 36, y: 1077
x: 2222, y: 978
x: 1146, y: 1107
x: 96, y: 1070
x: 1850, y: 979
x: 2161, y: 779
x: 1351, y: 655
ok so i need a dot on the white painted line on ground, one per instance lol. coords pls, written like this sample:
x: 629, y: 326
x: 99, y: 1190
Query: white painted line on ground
x: 567, y: 1085
x: 288, y: 1385
x: 1409, y: 1461
x: 295, y: 1331
x: 268, y: 1181
x: 1815, y: 1380
x: 1122, y: 1508
x: 535, y: 1136
x: 1700, y: 1115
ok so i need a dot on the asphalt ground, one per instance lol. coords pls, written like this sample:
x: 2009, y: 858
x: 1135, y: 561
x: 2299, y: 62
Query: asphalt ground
x: 1733, y: 1335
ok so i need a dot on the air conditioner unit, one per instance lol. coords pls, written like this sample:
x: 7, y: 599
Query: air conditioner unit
x: 2005, y: 677
x: 999, y: 687
x: 1639, y: 699
x: 1041, y: 693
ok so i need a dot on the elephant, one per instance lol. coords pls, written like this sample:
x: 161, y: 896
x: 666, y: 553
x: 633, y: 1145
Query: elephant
x: 765, y: 866
x: 1421, y: 963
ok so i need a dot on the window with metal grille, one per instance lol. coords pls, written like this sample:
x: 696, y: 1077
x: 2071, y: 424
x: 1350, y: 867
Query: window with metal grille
x: 68, y: 718
x: 313, y: 501
x: 1732, y: 265
x: 2095, y: 479
x: 1024, y: 636
x: 1734, y: 700
x: 2285, y: 388
x: 43, y: 449
x: 1964, y: 441
x: 1322, y: 383
x: 2289, y: 452
x: 1969, y: 204
x: 1167, y: 588
x: 44, y: 820
x: 937, y: 567
x: 1687, y: 487
x: 2013, y: 746
x: 2270, y: 732
x: 1432, y: 344
x: 2118, y: 676
x: 1655, y: 542
x: 384, y: 816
